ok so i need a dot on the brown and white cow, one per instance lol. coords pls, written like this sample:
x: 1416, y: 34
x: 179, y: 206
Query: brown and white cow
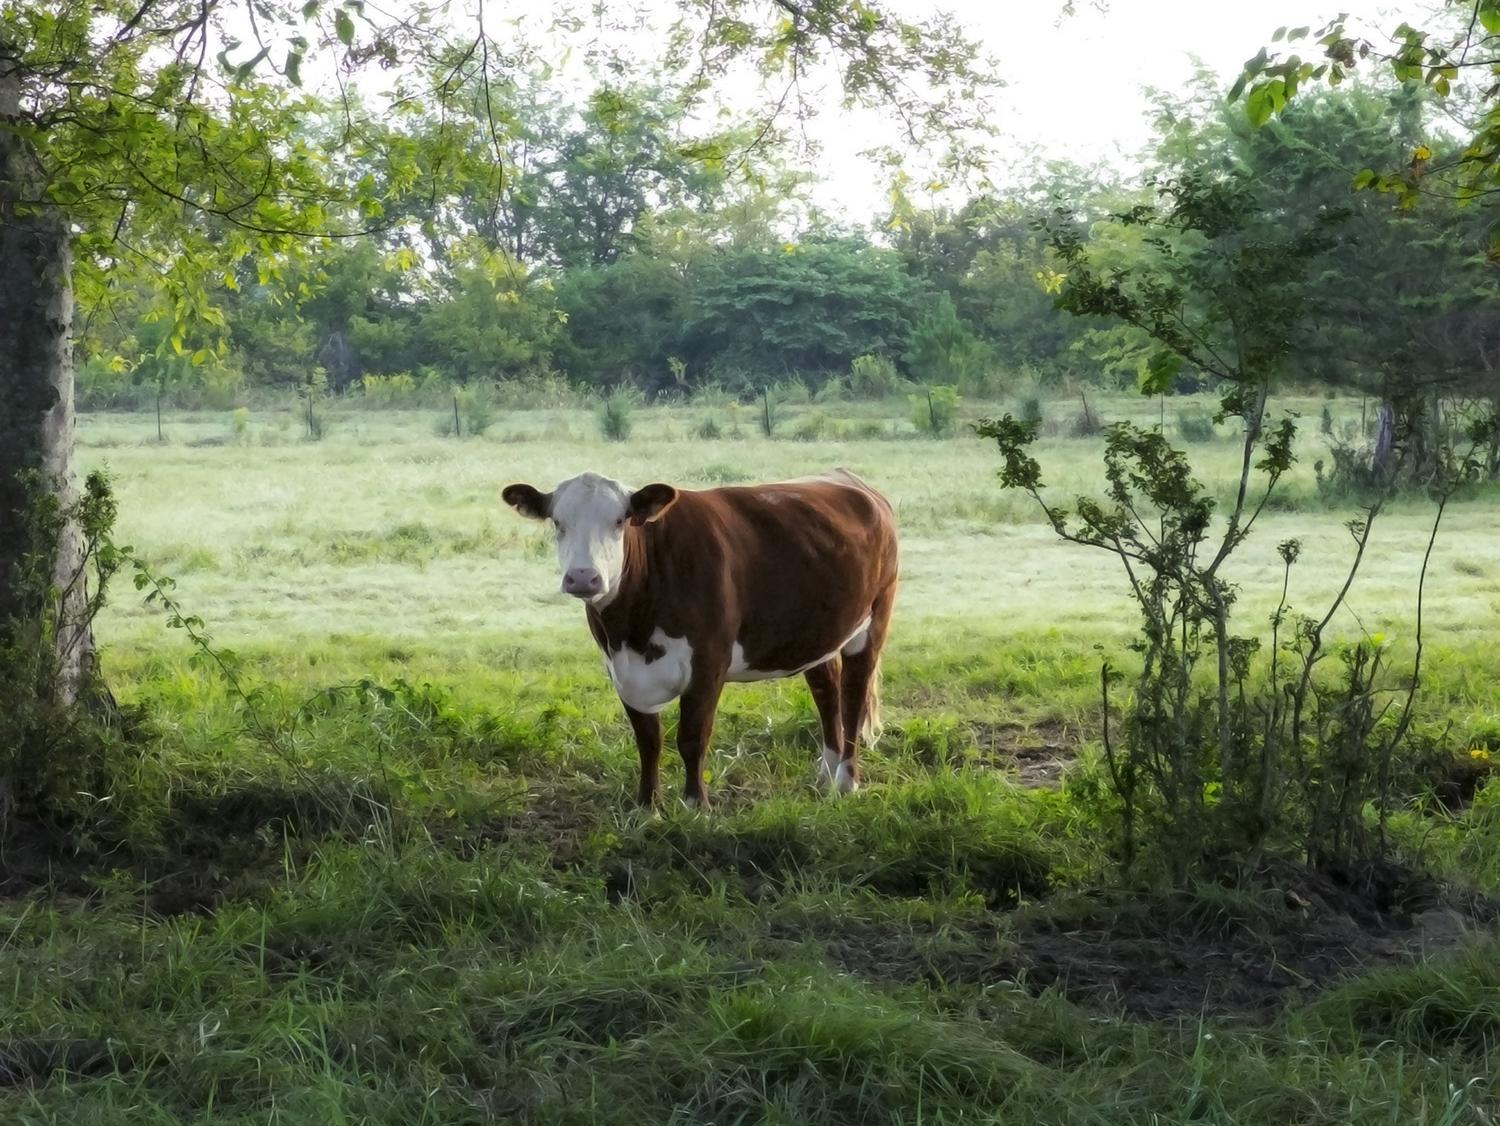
x: 686, y: 590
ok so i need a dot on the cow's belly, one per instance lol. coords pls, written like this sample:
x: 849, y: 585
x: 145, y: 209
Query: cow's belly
x: 740, y: 669
x: 650, y: 685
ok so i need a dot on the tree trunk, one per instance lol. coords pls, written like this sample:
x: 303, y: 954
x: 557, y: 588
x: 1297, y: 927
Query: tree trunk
x: 1385, y: 438
x: 36, y: 405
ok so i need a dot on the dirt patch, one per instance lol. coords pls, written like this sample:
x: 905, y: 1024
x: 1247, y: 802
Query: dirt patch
x: 229, y: 846
x: 1244, y: 954
x: 1036, y: 755
x: 556, y: 823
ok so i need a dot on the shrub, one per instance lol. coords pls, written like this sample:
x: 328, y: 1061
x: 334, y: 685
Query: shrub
x: 873, y: 377
x: 1196, y: 426
x: 792, y: 390
x: 708, y: 430
x: 935, y: 411
x: 398, y: 389
x: 811, y: 427
x: 614, y: 417
x: 240, y: 424
x: 832, y: 391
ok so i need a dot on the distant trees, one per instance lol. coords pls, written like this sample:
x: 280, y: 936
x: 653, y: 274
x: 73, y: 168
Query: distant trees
x: 812, y: 306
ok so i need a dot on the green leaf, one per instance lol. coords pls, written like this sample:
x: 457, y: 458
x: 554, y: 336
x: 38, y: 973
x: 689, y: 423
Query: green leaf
x: 1258, y: 106
x: 294, y: 68
x: 1161, y: 371
x: 1489, y: 16
x: 345, y: 27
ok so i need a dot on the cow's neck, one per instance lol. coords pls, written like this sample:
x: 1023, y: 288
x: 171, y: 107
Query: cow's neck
x: 630, y: 616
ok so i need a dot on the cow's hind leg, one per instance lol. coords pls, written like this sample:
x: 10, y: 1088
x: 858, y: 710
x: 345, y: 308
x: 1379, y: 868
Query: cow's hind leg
x: 860, y: 689
x: 695, y: 728
x: 647, y: 728
x: 823, y: 682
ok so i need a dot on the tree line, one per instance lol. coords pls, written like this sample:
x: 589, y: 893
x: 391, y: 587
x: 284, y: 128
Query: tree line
x: 619, y: 256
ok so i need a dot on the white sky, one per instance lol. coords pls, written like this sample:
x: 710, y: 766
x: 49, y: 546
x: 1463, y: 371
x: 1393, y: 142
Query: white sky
x: 1074, y: 83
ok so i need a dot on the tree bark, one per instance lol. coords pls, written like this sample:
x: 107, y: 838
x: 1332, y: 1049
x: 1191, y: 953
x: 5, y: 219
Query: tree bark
x: 1385, y: 438
x: 36, y: 404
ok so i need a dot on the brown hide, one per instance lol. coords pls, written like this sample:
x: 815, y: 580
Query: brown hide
x: 787, y: 570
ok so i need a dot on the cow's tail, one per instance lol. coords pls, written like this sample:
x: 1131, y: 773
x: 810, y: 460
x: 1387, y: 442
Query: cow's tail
x: 872, y: 725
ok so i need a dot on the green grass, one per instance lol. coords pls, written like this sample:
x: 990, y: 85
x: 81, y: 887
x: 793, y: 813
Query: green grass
x: 427, y: 898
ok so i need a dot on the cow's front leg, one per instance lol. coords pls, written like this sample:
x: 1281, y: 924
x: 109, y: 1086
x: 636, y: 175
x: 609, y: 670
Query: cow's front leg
x: 695, y: 727
x: 647, y: 728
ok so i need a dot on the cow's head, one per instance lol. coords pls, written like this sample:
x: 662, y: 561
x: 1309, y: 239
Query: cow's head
x: 589, y: 514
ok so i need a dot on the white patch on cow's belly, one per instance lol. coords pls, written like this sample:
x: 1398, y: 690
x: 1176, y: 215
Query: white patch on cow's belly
x: 740, y: 670
x: 649, y: 686
x: 857, y: 640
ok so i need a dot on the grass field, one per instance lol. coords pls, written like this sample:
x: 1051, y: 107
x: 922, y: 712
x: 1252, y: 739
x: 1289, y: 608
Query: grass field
x: 430, y: 901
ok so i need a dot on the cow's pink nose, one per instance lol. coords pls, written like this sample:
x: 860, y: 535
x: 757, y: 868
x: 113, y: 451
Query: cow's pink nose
x: 582, y: 582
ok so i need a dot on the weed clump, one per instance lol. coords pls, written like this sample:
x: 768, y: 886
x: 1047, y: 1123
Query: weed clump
x: 615, y: 421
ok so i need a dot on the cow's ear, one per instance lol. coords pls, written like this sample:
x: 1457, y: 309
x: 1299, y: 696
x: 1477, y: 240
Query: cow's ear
x: 527, y: 501
x: 650, y: 502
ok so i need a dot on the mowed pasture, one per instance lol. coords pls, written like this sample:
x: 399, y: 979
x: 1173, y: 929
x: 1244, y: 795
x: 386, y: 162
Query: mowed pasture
x: 391, y: 873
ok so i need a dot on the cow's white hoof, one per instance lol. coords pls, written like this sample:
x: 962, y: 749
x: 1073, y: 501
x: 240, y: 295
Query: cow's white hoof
x: 844, y: 781
x: 828, y: 766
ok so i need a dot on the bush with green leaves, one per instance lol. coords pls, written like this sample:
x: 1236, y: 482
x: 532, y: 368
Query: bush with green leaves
x: 944, y: 350
x: 1196, y: 426
x: 873, y: 377
x: 934, y: 411
x: 1216, y: 756
x: 810, y: 427
x: 615, y: 421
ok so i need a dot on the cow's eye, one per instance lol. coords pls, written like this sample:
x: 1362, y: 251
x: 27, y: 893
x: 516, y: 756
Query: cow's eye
x: 620, y: 523
x: 559, y: 527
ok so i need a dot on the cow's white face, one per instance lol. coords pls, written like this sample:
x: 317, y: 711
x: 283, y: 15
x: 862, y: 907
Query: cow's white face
x: 589, y: 515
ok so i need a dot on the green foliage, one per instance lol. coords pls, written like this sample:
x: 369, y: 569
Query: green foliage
x: 812, y: 307
x: 1196, y: 426
x: 943, y: 350
x: 497, y: 322
x: 624, y: 319
x: 1213, y: 762
x: 873, y: 377
x: 934, y: 411
x: 615, y: 417
x: 1215, y: 759
x: 812, y: 426
x: 1440, y: 62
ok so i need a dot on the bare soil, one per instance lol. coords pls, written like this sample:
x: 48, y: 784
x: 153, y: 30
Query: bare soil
x: 1163, y: 956
x: 1034, y: 755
